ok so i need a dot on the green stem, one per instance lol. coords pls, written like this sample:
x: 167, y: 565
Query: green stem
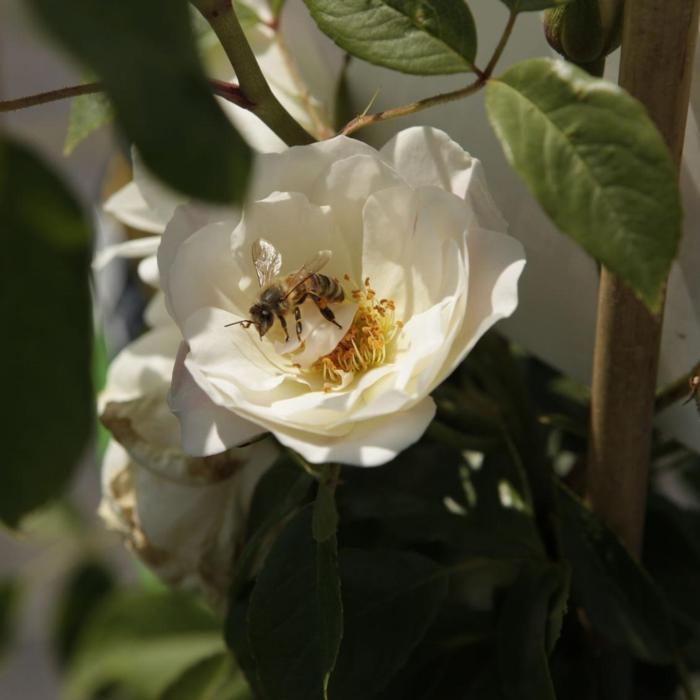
x: 482, y: 78
x: 222, y: 18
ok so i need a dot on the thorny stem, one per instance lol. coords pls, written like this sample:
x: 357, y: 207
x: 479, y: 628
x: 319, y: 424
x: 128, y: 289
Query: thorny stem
x: 677, y: 390
x: 228, y: 91
x: 222, y: 18
x: 482, y: 78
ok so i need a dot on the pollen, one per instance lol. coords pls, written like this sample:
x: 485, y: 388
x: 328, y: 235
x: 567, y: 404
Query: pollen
x: 368, y: 340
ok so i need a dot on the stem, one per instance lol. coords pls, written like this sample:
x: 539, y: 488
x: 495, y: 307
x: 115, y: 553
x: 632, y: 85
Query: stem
x: 657, y: 47
x: 228, y: 91
x: 51, y: 96
x: 482, y: 78
x: 677, y: 390
x: 223, y: 20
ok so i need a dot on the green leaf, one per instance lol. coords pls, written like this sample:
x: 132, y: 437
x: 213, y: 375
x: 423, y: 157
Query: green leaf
x: 532, y: 608
x: 324, y: 522
x: 143, y: 641
x: 390, y: 598
x: 10, y: 593
x: 279, y: 492
x: 295, y: 616
x: 45, y: 307
x: 213, y: 678
x: 596, y: 163
x: 87, y: 114
x: 144, y: 53
x: 87, y: 586
x: 533, y: 5
x: 427, y: 37
x: 620, y: 599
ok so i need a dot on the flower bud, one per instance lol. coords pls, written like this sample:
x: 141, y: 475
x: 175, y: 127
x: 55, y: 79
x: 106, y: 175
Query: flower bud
x: 584, y: 31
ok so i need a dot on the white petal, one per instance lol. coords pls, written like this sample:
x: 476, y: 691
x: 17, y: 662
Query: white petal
x: 148, y: 271
x: 156, y: 315
x: 128, y: 206
x: 409, y: 243
x: 345, y: 188
x: 298, y: 168
x: 143, y: 367
x: 426, y: 156
x: 493, y: 288
x: 134, y: 248
x: 203, y: 272
x: 370, y: 443
x: 205, y: 427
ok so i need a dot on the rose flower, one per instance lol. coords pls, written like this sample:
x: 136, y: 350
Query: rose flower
x: 410, y: 234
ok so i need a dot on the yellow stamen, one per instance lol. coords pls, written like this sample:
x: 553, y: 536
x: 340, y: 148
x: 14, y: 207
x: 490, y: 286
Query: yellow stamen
x: 366, y: 342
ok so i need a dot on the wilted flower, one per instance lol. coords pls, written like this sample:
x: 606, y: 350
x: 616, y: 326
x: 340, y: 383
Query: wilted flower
x: 418, y: 247
x: 184, y: 517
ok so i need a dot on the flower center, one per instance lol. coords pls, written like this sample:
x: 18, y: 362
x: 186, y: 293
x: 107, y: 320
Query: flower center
x: 367, y: 340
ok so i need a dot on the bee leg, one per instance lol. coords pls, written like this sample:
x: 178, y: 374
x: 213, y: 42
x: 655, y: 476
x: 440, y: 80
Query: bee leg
x: 283, y: 323
x: 325, y: 310
x: 297, y: 316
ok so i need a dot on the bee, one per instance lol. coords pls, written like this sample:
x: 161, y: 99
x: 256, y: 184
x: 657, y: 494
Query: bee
x: 281, y: 294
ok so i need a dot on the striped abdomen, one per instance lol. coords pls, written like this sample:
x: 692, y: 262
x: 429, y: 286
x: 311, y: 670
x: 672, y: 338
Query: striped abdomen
x: 323, y: 287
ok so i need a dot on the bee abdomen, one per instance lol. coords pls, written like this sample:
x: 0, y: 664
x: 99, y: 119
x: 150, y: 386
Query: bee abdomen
x: 330, y: 289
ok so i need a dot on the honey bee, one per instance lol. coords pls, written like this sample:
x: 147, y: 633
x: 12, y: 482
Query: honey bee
x: 281, y: 294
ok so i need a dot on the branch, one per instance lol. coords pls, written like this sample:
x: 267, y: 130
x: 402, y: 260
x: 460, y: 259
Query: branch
x: 483, y: 77
x: 227, y: 91
x: 222, y: 19
x: 51, y: 96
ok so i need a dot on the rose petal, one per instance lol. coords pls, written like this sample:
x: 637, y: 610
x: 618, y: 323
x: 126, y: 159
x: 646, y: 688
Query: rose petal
x: 425, y: 156
x: 370, y: 443
x: 205, y: 427
x: 134, y: 248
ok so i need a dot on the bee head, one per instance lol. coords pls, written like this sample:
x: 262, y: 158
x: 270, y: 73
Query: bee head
x: 263, y: 317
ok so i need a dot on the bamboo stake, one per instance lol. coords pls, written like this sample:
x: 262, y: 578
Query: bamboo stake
x: 657, y: 49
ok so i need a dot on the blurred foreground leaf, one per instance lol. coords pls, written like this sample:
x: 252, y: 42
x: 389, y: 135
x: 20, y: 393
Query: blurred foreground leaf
x: 47, y: 413
x: 620, y: 599
x: 413, y: 37
x: 144, y: 53
x: 596, y: 163
x: 9, y: 596
x: 533, y: 5
x: 143, y: 641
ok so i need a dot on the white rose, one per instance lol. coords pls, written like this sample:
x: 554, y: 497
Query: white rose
x: 184, y: 517
x: 418, y: 245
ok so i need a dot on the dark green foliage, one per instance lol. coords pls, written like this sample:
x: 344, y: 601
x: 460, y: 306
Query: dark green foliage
x: 47, y: 414
x: 151, y: 73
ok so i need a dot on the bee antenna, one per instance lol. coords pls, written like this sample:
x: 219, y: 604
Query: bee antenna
x: 245, y: 322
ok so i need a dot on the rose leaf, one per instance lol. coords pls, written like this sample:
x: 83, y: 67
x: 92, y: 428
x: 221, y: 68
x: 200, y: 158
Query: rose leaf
x: 596, y: 163
x: 295, y: 616
x: 431, y: 37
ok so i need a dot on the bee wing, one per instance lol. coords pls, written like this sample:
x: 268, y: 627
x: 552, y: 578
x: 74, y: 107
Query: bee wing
x: 309, y: 268
x: 267, y: 260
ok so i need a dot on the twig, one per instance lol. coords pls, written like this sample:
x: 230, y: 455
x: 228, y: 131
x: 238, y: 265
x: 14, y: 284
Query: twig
x: 228, y: 91
x: 482, y: 77
x: 50, y: 96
